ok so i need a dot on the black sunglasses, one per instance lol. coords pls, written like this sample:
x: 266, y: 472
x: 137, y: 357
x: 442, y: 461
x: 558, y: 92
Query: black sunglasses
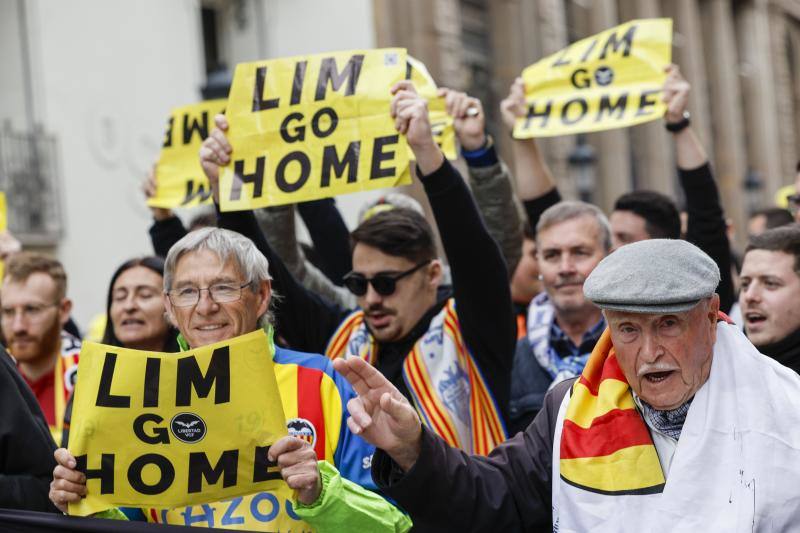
x: 384, y: 284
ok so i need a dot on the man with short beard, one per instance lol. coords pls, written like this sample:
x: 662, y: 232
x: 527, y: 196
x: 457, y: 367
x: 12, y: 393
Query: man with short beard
x: 770, y: 294
x: 448, y: 350
x: 34, y: 311
x: 562, y: 326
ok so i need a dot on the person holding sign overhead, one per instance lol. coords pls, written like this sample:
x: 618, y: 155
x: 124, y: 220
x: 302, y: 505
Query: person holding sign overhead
x: 448, y: 351
x: 217, y: 287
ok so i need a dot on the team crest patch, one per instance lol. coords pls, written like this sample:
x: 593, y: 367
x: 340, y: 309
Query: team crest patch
x: 302, y: 429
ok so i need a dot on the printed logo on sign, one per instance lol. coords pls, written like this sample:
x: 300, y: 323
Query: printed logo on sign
x: 188, y: 427
x: 70, y: 377
x: 390, y: 59
x: 604, y: 76
x: 302, y: 429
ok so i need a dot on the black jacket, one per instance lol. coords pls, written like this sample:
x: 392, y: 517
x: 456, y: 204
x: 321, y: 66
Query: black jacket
x: 449, y: 490
x: 26, y: 446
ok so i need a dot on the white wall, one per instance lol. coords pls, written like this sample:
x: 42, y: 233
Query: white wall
x: 107, y: 72
x: 106, y: 75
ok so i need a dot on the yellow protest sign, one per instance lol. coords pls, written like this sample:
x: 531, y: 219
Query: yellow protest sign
x: 181, y: 181
x: 441, y: 123
x: 159, y: 430
x: 312, y: 127
x: 610, y: 80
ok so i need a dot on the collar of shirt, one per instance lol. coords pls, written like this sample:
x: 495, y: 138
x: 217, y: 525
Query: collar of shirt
x: 564, y: 346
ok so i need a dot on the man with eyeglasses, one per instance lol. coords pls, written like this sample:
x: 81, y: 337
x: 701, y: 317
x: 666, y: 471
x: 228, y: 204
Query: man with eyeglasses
x: 447, y: 349
x: 34, y: 311
x: 217, y: 287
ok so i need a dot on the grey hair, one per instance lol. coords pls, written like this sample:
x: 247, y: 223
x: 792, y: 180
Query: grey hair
x: 572, y: 209
x: 227, y: 245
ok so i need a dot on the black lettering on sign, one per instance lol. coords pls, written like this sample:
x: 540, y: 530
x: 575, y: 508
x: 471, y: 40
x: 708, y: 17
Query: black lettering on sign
x: 160, y: 435
x: 202, y: 193
x: 297, y: 83
x: 262, y: 465
x: 379, y: 155
x: 607, y: 106
x: 259, y: 103
x: 560, y: 60
x: 315, y: 120
x: 646, y: 103
x: 533, y: 113
x: 614, y: 43
x: 565, y: 111
x: 280, y: 172
x: 152, y: 374
x: 168, y: 134
x: 329, y: 72
x: 588, y: 51
x: 198, y: 125
x: 580, y: 79
x: 331, y: 161
x: 240, y: 178
x: 104, y: 396
x: 190, y: 376
x: 299, y: 133
x: 165, y: 479
x: 200, y: 468
x: 105, y: 473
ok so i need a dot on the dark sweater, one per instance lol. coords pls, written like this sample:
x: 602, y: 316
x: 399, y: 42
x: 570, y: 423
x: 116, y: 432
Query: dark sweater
x: 480, y: 288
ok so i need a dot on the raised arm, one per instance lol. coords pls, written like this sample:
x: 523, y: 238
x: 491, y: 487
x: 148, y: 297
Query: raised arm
x: 489, y: 178
x: 706, y: 225
x: 330, y: 236
x: 303, y: 319
x: 480, y: 279
x: 535, y: 184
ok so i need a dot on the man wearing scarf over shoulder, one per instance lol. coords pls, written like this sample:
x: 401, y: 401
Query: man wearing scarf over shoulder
x: 677, y: 423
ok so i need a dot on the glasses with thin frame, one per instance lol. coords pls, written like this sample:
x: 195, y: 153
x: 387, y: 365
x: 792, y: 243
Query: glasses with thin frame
x: 219, y: 293
x: 29, y: 312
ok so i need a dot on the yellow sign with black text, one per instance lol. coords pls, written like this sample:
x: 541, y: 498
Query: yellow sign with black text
x: 312, y: 127
x: 3, y: 226
x: 180, y: 178
x: 611, y: 80
x: 160, y: 430
x: 441, y: 123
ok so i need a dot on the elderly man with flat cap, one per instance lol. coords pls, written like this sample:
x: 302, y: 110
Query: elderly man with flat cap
x: 677, y: 423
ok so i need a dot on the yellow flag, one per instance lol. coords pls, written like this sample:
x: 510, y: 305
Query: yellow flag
x: 164, y: 429
x: 610, y: 80
x: 312, y: 127
x: 441, y: 123
x: 181, y: 181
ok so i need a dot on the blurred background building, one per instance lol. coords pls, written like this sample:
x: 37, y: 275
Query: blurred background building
x: 87, y: 85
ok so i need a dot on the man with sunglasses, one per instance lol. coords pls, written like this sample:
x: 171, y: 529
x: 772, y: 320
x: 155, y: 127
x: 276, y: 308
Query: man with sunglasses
x: 447, y: 349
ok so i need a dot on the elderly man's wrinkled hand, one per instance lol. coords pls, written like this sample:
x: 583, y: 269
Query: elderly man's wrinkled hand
x: 381, y: 414
x: 68, y: 485
x: 297, y: 461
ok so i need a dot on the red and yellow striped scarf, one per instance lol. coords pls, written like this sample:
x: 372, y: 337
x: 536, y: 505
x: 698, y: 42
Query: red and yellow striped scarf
x: 605, y: 444
x: 438, y: 368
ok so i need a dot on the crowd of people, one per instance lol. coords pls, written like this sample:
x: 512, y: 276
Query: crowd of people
x: 559, y: 368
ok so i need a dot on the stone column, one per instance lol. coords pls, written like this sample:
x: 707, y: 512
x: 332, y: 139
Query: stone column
x: 726, y: 109
x: 758, y: 93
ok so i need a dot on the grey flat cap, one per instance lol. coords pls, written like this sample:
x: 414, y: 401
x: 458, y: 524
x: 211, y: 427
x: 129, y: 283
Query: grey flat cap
x: 653, y: 276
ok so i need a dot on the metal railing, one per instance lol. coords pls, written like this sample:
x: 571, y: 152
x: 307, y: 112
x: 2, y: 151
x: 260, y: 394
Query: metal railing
x: 29, y: 178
